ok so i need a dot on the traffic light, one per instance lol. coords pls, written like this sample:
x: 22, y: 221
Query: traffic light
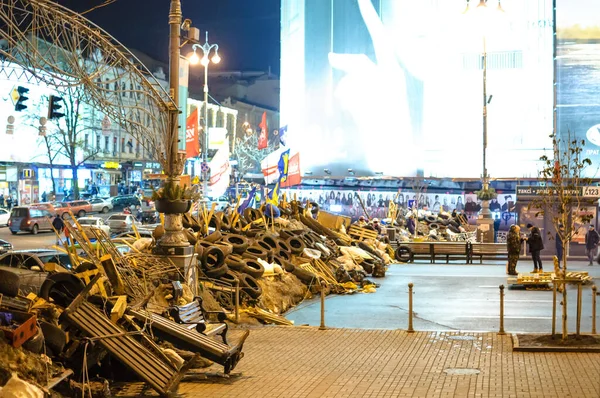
x: 19, y: 105
x: 54, y: 106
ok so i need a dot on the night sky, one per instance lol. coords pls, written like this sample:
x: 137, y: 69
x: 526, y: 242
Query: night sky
x: 247, y: 31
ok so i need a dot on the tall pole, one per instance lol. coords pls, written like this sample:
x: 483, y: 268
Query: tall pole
x: 174, y: 40
x: 205, y: 149
x: 484, y: 59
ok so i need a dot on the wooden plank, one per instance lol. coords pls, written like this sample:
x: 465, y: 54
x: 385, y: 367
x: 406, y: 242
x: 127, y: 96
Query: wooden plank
x: 118, y: 309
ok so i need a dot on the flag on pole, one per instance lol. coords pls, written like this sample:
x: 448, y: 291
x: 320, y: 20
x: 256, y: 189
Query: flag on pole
x: 263, y: 138
x: 282, y: 167
x: 282, y: 133
x: 248, y: 202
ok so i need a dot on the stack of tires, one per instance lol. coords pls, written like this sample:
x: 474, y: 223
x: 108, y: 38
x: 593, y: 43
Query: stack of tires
x: 231, y: 253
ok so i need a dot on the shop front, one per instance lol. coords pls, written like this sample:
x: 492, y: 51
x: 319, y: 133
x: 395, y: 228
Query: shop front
x: 527, y: 214
x: 63, y: 182
x: 107, y: 177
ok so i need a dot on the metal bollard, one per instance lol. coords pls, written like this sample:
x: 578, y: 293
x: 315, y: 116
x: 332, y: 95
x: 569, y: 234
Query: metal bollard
x: 594, y: 288
x: 578, y: 320
x: 501, y: 331
x: 553, y: 308
x: 410, y: 308
x: 322, y: 326
x: 237, y: 300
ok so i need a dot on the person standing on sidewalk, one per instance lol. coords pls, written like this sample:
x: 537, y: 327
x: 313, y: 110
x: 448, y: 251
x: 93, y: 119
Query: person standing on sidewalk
x: 536, y: 245
x: 59, y: 226
x: 591, y: 244
x: 559, y: 243
x: 513, y: 245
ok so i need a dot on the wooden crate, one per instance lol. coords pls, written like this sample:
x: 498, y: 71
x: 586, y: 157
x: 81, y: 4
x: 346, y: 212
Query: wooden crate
x: 360, y: 233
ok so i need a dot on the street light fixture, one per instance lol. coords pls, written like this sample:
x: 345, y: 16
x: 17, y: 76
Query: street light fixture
x: 205, y: 61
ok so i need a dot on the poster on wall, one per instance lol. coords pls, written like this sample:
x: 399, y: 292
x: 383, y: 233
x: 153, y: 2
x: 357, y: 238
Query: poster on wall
x: 578, y: 75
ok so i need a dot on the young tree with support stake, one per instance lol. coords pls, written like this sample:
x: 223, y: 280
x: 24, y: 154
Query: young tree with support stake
x: 563, y: 200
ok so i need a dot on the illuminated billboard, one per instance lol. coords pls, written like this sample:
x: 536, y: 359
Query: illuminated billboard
x: 396, y: 86
x: 578, y: 75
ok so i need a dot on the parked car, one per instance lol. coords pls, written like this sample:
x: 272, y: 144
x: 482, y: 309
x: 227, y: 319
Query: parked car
x: 93, y: 222
x: 30, y: 266
x: 29, y: 219
x: 4, y: 216
x: 123, y: 201
x: 122, y: 222
x: 80, y: 207
x: 101, y: 205
x: 5, y: 246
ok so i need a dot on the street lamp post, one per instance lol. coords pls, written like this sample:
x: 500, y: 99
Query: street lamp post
x: 486, y: 215
x: 206, y: 49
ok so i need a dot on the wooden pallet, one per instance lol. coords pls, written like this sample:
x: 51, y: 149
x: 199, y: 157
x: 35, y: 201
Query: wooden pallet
x: 360, y: 233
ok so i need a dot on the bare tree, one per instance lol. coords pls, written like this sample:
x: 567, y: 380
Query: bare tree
x: 247, y: 153
x: 67, y: 138
x: 563, y: 200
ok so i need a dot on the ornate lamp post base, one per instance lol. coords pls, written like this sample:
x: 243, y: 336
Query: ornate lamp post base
x: 174, y: 235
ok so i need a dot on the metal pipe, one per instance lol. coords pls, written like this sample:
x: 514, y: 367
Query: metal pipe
x: 594, y: 289
x: 501, y: 331
x: 578, y: 322
x: 485, y: 124
x: 554, y: 287
x: 410, y: 308
x: 205, y: 146
x: 322, y: 326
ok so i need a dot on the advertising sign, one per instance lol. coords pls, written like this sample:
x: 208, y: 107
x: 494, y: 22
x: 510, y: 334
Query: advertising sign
x: 217, y: 137
x: 192, y: 144
x: 395, y: 86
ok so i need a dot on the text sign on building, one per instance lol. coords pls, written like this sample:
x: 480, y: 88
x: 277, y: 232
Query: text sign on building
x: 585, y: 192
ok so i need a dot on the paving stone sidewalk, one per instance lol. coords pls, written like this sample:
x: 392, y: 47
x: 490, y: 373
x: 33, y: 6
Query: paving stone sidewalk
x: 307, y: 362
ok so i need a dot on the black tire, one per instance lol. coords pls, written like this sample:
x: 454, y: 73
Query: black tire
x: 367, y: 266
x: 35, y: 229
x: 264, y: 245
x: 434, y: 225
x: 13, y: 232
x: 225, y: 247
x: 212, y: 258
x: 285, y: 264
x: 256, y: 251
x: 85, y: 266
x: 270, y: 241
x: 217, y: 272
x: 64, y: 216
x: 215, y: 222
x: 105, y: 209
x: 235, y: 262
x: 305, y: 276
x: 253, y: 268
x: 238, y: 242
x: 403, y: 254
x: 282, y: 245
x: 9, y: 283
x: 430, y: 219
x: 251, y: 286
x: 36, y: 343
x: 55, y: 337
x: 229, y: 277
x: 285, y: 255
x: 296, y: 245
x: 62, y: 288
x: 285, y: 234
x: 454, y: 223
x: 454, y: 229
x: 254, y: 232
x: 81, y: 213
x: 214, y: 237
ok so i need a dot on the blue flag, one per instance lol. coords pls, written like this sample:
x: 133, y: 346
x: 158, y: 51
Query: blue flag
x: 282, y: 167
x: 282, y: 133
x: 248, y: 202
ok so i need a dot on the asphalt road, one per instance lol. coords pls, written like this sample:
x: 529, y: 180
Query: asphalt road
x: 449, y: 297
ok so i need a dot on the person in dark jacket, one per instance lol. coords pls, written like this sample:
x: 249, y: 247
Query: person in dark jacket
x: 536, y: 245
x: 410, y: 225
x: 59, y: 225
x: 591, y: 244
x: 513, y: 246
x: 559, y: 243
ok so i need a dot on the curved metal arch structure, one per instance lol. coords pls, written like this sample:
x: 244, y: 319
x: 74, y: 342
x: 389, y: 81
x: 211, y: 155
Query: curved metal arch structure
x: 46, y: 43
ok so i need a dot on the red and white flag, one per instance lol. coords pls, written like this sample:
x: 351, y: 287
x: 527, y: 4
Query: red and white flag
x: 263, y: 138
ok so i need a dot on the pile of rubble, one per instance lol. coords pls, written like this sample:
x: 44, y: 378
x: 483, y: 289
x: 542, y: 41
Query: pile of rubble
x: 430, y: 226
x: 135, y: 314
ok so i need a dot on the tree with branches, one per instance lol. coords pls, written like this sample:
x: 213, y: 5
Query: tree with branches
x: 246, y: 150
x: 67, y: 138
x: 563, y: 201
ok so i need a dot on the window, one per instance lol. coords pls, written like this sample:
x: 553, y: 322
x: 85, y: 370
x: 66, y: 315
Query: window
x: 123, y: 89
x: 97, y: 142
x: 85, y: 140
x: 123, y: 145
x: 106, y: 144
